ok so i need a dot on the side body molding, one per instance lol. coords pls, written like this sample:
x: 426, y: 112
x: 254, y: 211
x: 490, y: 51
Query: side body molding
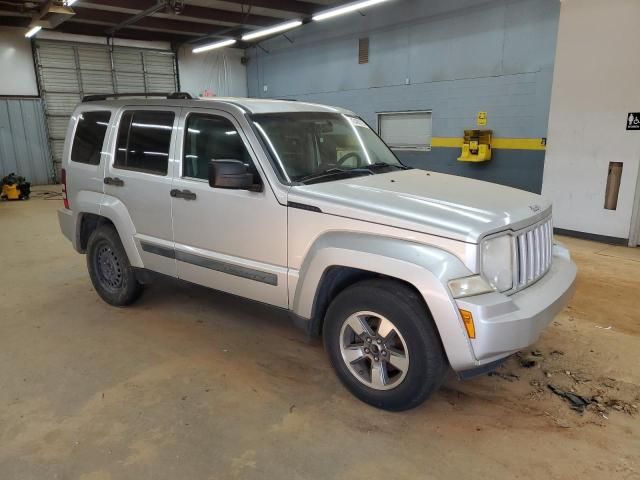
x: 427, y: 268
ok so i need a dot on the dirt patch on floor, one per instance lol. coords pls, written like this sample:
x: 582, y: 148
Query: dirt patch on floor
x: 190, y: 383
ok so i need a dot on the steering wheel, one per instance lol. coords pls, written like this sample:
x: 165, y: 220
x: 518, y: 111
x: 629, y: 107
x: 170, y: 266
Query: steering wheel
x: 347, y: 156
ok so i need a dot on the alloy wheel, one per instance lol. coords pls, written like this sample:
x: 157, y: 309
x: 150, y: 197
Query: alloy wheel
x: 374, y: 350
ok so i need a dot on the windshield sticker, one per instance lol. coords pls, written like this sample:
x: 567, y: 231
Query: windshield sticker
x: 356, y: 122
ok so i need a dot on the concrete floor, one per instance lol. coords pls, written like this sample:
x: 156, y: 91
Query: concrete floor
x: 194, y: 384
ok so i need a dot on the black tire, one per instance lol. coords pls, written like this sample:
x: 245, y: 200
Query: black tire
x: 111, y: 273
x: 402, y: 306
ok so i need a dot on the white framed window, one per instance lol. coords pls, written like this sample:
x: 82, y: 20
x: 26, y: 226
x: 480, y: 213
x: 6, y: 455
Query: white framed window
x: 406, y: 130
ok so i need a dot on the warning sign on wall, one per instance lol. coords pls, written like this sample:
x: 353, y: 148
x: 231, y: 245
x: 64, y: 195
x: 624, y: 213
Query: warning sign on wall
x: 482, y: 119
x: 633, y: 121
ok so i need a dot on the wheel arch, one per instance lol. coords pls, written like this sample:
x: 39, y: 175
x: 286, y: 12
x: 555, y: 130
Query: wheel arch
x: 113, y: 209
x: 339, y: 259
x: 334, y: 280
x: 97, y: 209
x: 87, y: 223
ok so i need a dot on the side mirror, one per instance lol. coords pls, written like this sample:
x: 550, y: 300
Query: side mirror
x: 230, y: 174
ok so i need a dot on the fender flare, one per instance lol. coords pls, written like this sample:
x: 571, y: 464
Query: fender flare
x: 425, y: 267
x: 116, y: 211
x: 85, y: 202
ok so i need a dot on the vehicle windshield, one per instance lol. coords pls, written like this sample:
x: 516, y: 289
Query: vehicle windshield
x: 310, y: 147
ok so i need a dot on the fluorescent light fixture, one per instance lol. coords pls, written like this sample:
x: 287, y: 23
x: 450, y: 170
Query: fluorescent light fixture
x: 268, y: 31
x: 213, y: 46
x: 70, y: 2
x: 351, y: 7
x: 33, y: 31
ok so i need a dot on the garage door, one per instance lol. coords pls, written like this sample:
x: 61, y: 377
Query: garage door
x: 68, y: 71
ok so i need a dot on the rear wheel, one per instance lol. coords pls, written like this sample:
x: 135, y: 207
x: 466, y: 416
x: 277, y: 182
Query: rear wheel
x: 383, y: 344
x: 111, y: 273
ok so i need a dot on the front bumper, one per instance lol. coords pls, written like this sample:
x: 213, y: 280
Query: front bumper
x: 506, y: 324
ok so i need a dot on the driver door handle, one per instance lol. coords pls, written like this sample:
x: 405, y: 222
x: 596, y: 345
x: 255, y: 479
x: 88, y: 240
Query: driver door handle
x: 185, y: 194
x: 116, y: 182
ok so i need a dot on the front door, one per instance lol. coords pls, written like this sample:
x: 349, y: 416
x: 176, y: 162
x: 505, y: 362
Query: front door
x: 138, y: 181
x: 230, y: 240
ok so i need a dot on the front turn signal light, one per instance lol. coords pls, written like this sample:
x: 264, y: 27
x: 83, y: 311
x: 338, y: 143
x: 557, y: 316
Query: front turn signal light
x: 467, y: 318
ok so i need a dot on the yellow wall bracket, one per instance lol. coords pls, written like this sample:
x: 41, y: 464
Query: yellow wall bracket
x: 476, y: 146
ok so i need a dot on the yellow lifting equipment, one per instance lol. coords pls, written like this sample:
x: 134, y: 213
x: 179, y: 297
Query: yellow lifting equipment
x: 476, y: 146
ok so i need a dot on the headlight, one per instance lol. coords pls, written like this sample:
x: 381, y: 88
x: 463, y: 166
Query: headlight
x: 497, y: 262
x: 468, y: 286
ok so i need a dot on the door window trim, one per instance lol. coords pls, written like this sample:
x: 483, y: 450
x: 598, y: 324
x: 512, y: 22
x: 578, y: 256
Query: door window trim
x: 221, y: 114
x: 138, y: 108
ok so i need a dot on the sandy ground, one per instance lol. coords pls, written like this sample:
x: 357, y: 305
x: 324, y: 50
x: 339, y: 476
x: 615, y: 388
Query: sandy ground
x: 194, y: 384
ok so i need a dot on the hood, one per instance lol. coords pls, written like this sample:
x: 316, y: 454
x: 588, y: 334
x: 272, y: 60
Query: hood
x: 427, y: 202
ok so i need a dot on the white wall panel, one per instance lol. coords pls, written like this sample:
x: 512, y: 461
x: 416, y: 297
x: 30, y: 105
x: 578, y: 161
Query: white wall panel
x: 219, y: 71
x: 595, y: 86
x: 16, y: 57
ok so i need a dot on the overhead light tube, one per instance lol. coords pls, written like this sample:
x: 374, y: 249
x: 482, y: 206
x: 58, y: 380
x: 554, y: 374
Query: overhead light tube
x: 351, y: 7
x: 268, y: 31
x: 213, y: 46
x: 33, y: 31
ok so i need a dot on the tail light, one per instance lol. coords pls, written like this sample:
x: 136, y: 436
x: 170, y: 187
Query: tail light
x: 63, y: 179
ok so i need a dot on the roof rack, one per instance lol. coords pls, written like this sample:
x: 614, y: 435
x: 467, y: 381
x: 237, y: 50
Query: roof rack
x: 170, y: 96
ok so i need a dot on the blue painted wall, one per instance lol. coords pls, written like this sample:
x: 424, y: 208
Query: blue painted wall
x: 453, y: 57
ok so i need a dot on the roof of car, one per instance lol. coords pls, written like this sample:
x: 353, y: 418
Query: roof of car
x: 250, y: 105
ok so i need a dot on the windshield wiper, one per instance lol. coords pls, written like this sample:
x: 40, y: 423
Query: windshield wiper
x: 370, y: 169
x: 378, y: 165
x: 332, y: 172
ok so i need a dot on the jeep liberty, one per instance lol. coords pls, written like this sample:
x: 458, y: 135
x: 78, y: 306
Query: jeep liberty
x: 405, y: 273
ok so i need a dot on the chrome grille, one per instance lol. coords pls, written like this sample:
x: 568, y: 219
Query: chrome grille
x: 534, y: 248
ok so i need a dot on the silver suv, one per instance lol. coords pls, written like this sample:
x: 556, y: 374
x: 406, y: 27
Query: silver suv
x: 403, y: 272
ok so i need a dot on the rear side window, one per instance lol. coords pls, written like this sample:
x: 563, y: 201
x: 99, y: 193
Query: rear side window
x: 143, y: 142
x: 90, y: 133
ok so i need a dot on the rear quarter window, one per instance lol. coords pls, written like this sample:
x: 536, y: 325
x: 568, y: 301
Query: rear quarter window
x: 90, y: 132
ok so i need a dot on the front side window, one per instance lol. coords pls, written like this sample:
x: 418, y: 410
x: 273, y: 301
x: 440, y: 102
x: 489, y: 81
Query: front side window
x: 316, y: 146
x: 144, y: 138
x: 90, y: 132
x: 209, y: 137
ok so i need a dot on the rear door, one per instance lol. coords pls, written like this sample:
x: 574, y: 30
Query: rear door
x: 230, y: 240
x: 138, y: 178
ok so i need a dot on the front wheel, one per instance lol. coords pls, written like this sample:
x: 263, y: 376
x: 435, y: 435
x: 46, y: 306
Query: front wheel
x: 111, y: 273
x: 383, y: 344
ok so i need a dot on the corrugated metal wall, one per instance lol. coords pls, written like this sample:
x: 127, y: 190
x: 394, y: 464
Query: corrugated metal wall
x: 24, y: 148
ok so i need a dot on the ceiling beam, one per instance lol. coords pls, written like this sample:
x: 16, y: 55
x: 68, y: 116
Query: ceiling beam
x: 18, y: 7
x: 194, y: 11
x: 115, y: 18
x: 160, y: 5
x: 90, y: 29
x: 14, y: 20
x: 303, y: 8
